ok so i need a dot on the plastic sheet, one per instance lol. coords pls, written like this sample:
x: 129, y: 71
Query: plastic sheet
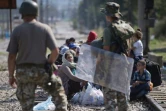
x: 105, y: 68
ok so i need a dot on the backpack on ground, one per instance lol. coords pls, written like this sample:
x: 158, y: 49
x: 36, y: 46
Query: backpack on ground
x: 155, y: 72
x: 123, y: 33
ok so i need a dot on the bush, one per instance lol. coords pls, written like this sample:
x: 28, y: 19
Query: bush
x: 160, y: 29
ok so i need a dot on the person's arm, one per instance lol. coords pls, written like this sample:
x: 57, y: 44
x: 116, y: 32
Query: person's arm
x: 134, y: 79
x: 142, y: 82
x: 135, y: 45
x: 106, y: 48
x: 67, y: 71
x: 54, y: 55
x: 52, y: 45
x: 133, y: 48
x: 107, y: 39
x: 13, y: 50
x: 11, y: 68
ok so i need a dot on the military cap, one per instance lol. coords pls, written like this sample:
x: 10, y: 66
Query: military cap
x: 112, y: 9
x: 29, y: 8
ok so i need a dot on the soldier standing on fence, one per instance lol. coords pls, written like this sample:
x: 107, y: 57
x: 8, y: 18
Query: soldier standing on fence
x: 27, y: 53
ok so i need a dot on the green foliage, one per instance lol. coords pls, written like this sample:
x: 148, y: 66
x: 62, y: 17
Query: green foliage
x: 160, y: 10
x: 157, y: 44
x: 160, y: 28
x: 160, y: 7
x: 91, y: 17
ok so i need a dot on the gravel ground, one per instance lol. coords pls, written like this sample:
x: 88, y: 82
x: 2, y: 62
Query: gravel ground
x: 8, y: 103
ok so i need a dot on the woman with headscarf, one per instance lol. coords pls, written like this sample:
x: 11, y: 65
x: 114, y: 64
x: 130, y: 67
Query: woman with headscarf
x: 71, y: 83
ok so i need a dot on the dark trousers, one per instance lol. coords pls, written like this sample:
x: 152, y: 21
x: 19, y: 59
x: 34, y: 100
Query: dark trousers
x: 73, y: 88
x: 136, y: 59
x: 139, y: 91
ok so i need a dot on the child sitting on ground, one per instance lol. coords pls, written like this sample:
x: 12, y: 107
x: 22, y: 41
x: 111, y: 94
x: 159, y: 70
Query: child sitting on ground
x: 141, y: 81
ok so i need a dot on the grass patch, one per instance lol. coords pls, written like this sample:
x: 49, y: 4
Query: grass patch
x: 157, y: 44
x: 3, y: 53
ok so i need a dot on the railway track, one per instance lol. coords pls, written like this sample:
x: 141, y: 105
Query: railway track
x: 157, y: 97
x: 156, y: 100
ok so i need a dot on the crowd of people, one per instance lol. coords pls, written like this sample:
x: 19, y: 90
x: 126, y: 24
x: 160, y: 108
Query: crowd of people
x: 66, y: 62
x: 140, y: 81
x: 27, y: 54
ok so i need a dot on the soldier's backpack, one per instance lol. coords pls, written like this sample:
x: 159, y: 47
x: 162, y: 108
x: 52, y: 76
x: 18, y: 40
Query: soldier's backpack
x: 122, y: 34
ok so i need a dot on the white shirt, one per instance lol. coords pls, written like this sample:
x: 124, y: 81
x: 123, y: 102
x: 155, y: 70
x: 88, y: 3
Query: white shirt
x: 138, y: 51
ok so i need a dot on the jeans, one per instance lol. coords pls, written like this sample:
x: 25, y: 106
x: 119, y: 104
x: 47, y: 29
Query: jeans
x: 139, y: 91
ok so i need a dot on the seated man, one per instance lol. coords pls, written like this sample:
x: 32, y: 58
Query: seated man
x: 141, y: 81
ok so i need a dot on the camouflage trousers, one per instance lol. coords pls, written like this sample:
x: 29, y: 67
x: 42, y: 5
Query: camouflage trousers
x: 113, y: 98
x: 28, y: 78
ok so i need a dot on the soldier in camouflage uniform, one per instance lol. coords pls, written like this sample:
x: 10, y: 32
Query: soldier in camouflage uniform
x: 27, y: 53
x: 112, y: 14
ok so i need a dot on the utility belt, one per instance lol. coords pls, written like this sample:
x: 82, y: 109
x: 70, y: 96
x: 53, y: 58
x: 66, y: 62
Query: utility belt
x: 29, y: 65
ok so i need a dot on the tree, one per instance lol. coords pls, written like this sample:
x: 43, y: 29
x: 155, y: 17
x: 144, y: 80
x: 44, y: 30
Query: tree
x: 91, y: 17
x: 160, y: 8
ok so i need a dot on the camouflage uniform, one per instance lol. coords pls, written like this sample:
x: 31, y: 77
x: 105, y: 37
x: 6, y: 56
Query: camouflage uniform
x: 29, y: 42
x: 28, y: 77
x: 110, y: 96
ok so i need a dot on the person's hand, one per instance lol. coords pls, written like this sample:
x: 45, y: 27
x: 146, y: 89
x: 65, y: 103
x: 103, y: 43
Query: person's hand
x: 137, y: 83
x: 84, y: 83
x: 133, y: 85
x: 12, y: 81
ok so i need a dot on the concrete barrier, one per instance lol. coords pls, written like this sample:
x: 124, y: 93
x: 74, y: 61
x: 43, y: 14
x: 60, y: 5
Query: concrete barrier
x: 155, y: 58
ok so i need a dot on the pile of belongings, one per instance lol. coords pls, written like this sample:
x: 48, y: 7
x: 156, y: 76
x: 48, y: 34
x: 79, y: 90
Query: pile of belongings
x: 90, y: 96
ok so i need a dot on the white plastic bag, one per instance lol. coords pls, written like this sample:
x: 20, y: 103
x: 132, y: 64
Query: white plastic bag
x: 94, y: 96
x: 86, y: 99
x: 81, y: 96
x: 100, y: 97
x: 75, y: 98
x: 46, y: 105
x: 91, y: 96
